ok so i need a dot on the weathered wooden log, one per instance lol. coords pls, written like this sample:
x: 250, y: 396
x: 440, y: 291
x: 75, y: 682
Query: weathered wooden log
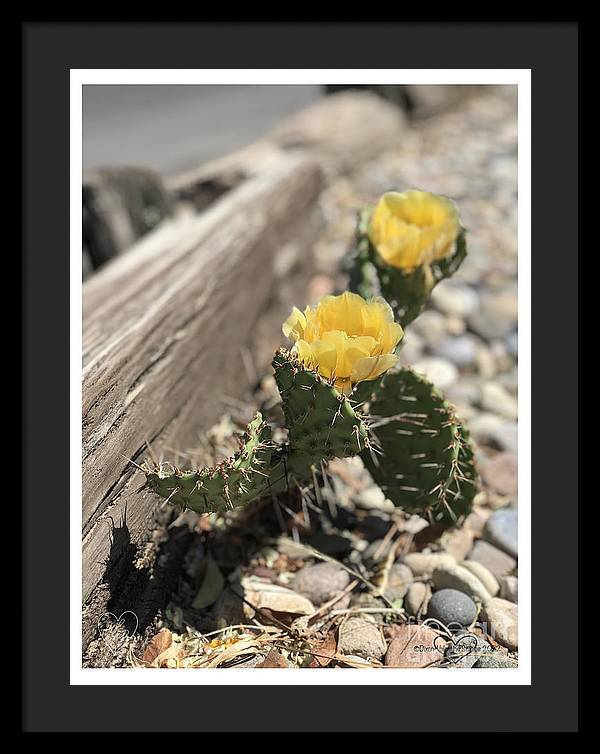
x: 119, y: 206
x: 165, y: 329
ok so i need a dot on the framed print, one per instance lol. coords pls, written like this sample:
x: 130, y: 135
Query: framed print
x: 302, y: 390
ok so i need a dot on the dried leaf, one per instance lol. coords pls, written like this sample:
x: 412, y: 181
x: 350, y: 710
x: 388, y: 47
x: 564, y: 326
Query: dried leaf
x: 170, y: 658
x: 324, y: 651
x: 274, y: 659
x: 157, y: 645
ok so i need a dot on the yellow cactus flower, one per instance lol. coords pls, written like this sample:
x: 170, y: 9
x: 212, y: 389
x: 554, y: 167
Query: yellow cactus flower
x: 413, y: 228
x: 345, y: 338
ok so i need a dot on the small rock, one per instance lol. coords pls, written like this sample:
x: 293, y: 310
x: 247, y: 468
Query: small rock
x: 465, y: 392
x: 361, y: 638
x: 486, y: 363
x: 496, y: 561
x: 274, y: 597
x: 502, y: 617
x: 462, y: 580
x: 505, y: 437
x: 461, y: 300
x: 415, y: 646
x: 320, y: 582
x: 458, y: 543
x: 431, y: 326
x: 497, y: 399
x: 497, y: 316
x: 465, y: 650
x: 441, y: 372
x: 417, y: 598
x: 486, y: 577
x: 411, y: 348
x: 424, y: 564
x: 461, y: 351
x: 509, y: 588
x: 475, y: 521
x: 372, y: 498
x: 495, y: 660
x: 455, y: 325
x: 500, y: 473
x: 414, y: 524
x: 399, y: 579
x: 483, y: 426
x: 501, y: 530
x: 509, y: 379
x: 452, y: 608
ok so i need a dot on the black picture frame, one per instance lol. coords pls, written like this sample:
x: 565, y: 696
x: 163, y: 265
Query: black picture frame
x: 49, y: 50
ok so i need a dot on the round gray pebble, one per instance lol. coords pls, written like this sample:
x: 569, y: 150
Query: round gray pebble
x: 320, y: 582
x: 460, y: 350
x: 501, y: 530
x: 452, y: 607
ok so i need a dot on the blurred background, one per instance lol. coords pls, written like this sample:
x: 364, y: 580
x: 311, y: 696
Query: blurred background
x: 173, y: 128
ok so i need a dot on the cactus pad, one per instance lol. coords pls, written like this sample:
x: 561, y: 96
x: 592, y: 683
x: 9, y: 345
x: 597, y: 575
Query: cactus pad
x: 421, y: 457
x: 231, y: 484
x: 322, y: 423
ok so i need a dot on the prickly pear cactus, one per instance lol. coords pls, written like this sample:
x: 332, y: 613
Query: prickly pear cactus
x: 405, y: 290
x: 229, y: 485
x: 322, y: 423
x: 339, y: 397
x: 421, y: 457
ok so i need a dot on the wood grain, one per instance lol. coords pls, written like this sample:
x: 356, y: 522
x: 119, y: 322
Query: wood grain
x: 164, y: 328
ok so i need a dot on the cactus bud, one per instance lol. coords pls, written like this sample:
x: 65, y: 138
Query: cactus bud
x: 405, y: 245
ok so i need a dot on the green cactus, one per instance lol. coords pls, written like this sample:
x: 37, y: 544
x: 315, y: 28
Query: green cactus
x: 229, y: 485
x: 322, y: 424
x: 405, y: 291
x: 414, y: 446
x: 421, y: 457
x: 401, y: 425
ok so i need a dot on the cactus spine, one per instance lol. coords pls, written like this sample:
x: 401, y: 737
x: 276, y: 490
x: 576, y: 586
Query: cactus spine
x: 422, y: 457
x: 233, y: 483
x: 322, y: 425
